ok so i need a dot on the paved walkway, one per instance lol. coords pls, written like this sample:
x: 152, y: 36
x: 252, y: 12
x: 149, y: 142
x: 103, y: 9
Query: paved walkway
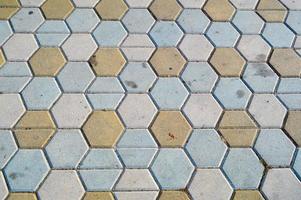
x: 150, y: 99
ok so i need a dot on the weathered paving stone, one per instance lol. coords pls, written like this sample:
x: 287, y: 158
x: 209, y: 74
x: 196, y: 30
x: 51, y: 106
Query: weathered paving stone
x: 136, y: 195
x: 98, y: 195
x: 165, y: 9
x: 138, y: 21
x: 51, y: 11
x: 111, y: 9
x: 219, y: 10
x: 8, y: 147
x: 271, y: 10
x: 292, y: 127
x: 3, y: 187
x: 247, y: 195
x: 22, y: 196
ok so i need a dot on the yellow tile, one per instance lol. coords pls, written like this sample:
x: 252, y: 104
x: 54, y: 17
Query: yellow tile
x: 47, y: 61
x: 2, y: 59
x: 98, y: 196
x: 165, y: 9
x: 239, y: 137
x: 34, y: 138
x: 286, y: 62
x: 171, y: 129
x: 273, y: 15
x: 173, y: 195
x: 57, y: 9
x: 8, y: 12
x: 107, y: 61
x: 103, y: 128
x: 219, y: 10
x: 167, y: 62
x: 227, y: 61
x: 111, y: 9
x: 293, y: 126
x: 235, y: 119
x: 36, y: 119
x: 22, y: 196
x: 270, y: 5
x: 9, y: 3
x: 247, y: 195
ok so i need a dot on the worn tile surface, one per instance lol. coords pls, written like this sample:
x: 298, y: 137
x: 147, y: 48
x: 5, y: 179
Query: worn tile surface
x: 150, y: 99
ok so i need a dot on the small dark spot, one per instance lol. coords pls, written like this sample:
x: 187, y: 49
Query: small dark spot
x: 30, y: 12
x: 261, y: 71
x: 172, y: 136
x: 93, y: 60
x: 144, y: 65
x: 240, y: 93
x: 15, y: 175
x: 131, y: 84
x: 170, y: 68
x: 260, y: 57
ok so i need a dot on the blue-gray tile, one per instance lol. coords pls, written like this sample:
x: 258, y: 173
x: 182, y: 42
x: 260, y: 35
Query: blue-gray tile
x: 15, y: 69
x: 297, y: 163
x: 51, y: 39
x: 7, y: 147
x: 137, y: 157
x: 138, y: 20
x: 53, y: 26
x: 27, y: 20
x: 13, y: 84
x: 294, y: 20
x: 82, y: 20
x: 248, y: 22
x: 106, y: 85
x: 5, y: 31
x: 105, y: 101
x: 136, y: 138
x: 289, y: 85
x: 193, y: 21
x: 278, y: 35
x: 291, y: 101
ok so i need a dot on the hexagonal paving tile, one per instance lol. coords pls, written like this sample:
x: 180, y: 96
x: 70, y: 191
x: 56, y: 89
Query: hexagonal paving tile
x: 281, y: 183
x: 75, y: 77
x: 267, y: 110
x: 232, y: 93
x: 103, y: 66
x: 219, y: 10
x: 6, y: 31
x: 245, y: 194
x: 167, y: 61
x: 292, y: 127
x: 171, y: 129
x: 74, y: 45
x: 3, y: 187
x: 275, y: 147
x: 272, y: 10
x: 166, y: 33
x: 27, y: 20
x: 106, y: 85
x: 12, y: 108
x: 222, y: 34
x: 103, y: 128
x: 194, y: 77
x: 22, y: 196
x: 86, y: 3
x: 237, y: 128
x: 66, y: 149
x: 244, y: 4
x: 173, y: 194
x: 237, y: 168
x: 192, y: 3
x: 193, y: 21
x: 8, y: 147
x: 297, y: 162
x: 82, y: 20
x: 278, y: 35
x: 289, y: 85
x: 47, y: 61
x: 51, y: 11
x: 34, y: 129
x: 174, y: 159
x: 205, y: 183
x: 114, y: 29
x: 71, y: 110
x: 286, y: 62
x: 131, y: 77
x: 138, y: 20
x: 41, y: 93
x: 227, y: 62
x: 248, y: 22
x: 137, y: 110
x: 62, y: 184
x: 169, y: 93
x: 140, y: 158
x: 293, y: 20
x: 260, y: 77
x: 26, y: 170
x: 254, y: 48
x: 111, y: 9
x: 165, y: 9
x: 196, y: 47
x: 206, y: 148
x: 202, y: 103
x: 20, y: 47
x: 146, y: 195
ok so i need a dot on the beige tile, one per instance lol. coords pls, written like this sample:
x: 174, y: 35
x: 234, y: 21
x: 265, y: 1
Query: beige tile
x: 271, y: 10
x: 293, y: 126
x: 7, y: 12
x: 107, y: 61
x: 9, y: 3
x: 167, y: 61
x: 22, y: 196
x: 36, y: 119
x: 47, y: 61
x: 173, y: 195
x: 171, y: 129
x: 2, y: 59
x: 34, y: 138
x: 286, y: 62
x: 219, y: 10
x: 247, y: 195
x: 98, y: 196
x: 165, y: 9
x: 57, y: 9
x: 227, y: 61
x: 270, y: 5
x: 111, y: 9
x: 238, y: 129
x: 103, y: 128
